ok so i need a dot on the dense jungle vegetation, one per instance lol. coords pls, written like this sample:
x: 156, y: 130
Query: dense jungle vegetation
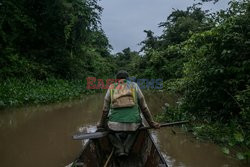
x: 204, y: 58
x: 48, y: 48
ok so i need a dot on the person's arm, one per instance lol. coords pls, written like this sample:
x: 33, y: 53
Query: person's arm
x: 105, y: 111
x: 144, y: 109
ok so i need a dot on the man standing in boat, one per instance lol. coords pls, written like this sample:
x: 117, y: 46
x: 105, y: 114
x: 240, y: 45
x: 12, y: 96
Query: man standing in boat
x: 123, y: 105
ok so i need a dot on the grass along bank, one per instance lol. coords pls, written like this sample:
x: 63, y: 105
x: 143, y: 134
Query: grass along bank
x: 14, y: 92
x: 231, y: 136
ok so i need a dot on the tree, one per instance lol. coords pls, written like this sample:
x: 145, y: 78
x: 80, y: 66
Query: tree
x: 46, y: 38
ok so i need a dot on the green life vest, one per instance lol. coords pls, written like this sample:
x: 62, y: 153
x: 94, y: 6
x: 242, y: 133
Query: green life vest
x: 123, y: 114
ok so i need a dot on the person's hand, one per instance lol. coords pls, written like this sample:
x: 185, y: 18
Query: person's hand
x: 156, y: 125
x: 100, y: 127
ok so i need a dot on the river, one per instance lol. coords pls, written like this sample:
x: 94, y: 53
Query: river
x: 41, y: 135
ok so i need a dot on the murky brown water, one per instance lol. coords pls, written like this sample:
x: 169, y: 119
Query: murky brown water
x: 41, y: 136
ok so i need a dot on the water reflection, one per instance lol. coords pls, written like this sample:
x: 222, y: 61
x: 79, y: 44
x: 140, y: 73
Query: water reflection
x: 183, y: 150
x: 41, y: 135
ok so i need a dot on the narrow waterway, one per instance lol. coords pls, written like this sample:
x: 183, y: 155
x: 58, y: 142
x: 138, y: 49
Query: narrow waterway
x: 41, y: 136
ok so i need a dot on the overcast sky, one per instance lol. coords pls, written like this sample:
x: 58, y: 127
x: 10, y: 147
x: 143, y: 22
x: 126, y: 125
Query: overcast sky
x: 123, y: 21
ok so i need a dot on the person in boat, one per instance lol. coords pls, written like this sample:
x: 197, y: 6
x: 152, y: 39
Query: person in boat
x: 123, y: 105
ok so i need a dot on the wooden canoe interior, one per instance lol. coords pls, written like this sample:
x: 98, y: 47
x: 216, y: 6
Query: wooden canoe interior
x: 143, y: 154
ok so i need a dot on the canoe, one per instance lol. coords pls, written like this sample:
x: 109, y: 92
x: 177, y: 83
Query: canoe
x: 99, y: 153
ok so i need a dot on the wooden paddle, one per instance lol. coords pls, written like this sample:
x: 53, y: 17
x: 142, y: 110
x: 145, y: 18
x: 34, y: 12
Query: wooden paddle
x: 95, y: 135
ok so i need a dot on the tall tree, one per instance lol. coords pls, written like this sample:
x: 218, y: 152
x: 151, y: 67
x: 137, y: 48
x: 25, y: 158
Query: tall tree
x: 50, y: 38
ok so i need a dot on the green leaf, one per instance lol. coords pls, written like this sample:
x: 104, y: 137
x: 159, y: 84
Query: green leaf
x: 238, y: 137
x: 2, y: 103
x: 240, y: 156
x: 225, y: 150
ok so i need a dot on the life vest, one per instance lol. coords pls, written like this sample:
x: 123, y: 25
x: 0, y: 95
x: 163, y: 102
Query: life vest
x: 124, y: 105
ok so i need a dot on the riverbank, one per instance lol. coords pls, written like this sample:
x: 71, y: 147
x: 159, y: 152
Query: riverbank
x: 14, y: 92
x: 29, y: 133
x: 232, y: 136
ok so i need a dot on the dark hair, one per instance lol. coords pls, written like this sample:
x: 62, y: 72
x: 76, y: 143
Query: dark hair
x: 122, y: 74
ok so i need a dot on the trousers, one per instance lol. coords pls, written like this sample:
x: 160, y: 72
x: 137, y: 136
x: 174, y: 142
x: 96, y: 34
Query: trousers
x: 122, y: 141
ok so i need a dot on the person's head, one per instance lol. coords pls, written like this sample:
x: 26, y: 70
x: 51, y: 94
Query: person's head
x: 122, y: 74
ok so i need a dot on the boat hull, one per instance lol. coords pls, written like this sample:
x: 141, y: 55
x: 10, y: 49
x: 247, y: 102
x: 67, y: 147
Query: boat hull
x: 98, y: 152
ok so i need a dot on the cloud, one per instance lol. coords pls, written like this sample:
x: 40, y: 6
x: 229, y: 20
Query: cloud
x: 124, y: 20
